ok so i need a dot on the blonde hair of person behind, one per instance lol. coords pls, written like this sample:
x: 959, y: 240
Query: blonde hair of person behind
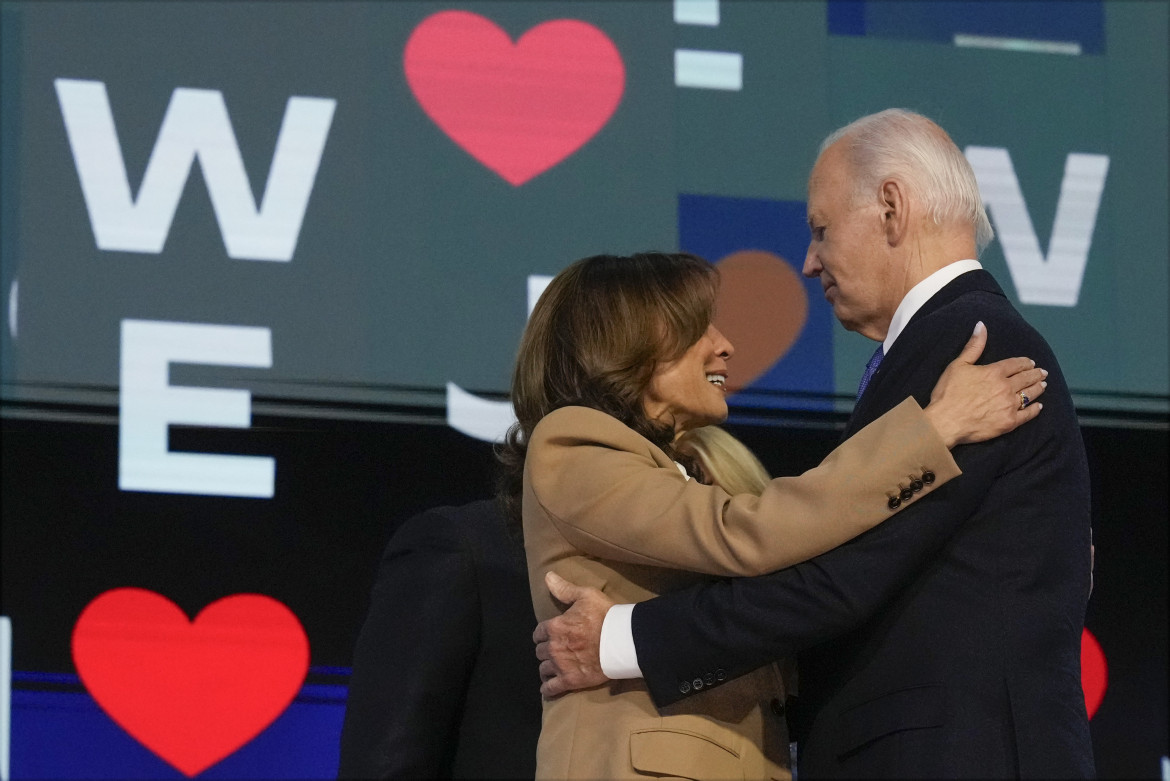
x: 594, y: 339
x: 723, y: 460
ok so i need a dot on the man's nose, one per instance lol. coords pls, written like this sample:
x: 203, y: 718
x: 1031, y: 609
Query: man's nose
x: 812, y: 267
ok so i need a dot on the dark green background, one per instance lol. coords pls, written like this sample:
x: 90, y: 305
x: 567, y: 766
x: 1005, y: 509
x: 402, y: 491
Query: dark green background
x: 411, y: 265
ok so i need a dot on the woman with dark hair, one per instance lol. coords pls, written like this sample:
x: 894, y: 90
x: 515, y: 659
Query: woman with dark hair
x: 620, y: 358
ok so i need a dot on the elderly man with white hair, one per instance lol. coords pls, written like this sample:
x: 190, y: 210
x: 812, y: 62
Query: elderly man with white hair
x: 945, y: 642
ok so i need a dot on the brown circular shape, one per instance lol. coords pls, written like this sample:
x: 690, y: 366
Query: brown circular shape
x: 761, y: 308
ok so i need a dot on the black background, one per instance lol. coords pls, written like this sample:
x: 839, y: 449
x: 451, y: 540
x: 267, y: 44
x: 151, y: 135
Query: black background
x: 344, y: 485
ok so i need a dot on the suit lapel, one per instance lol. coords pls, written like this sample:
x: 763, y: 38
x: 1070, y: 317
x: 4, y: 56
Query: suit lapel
x: 877, y: 397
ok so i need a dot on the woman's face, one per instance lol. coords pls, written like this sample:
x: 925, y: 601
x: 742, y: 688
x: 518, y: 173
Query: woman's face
x: 689, y: 392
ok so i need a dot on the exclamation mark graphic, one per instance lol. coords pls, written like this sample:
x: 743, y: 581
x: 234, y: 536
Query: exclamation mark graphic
x: 705, y: 69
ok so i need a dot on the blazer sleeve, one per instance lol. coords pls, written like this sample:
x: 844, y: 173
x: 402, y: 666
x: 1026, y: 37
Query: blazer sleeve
x: 414, y: 656
x: 735, y: 625
x: 603, y: 488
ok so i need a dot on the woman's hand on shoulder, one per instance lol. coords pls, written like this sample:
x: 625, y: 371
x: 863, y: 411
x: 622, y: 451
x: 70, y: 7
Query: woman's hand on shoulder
x: 972, y: 403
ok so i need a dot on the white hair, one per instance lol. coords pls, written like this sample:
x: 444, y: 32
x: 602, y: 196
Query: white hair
x: 911, y: 148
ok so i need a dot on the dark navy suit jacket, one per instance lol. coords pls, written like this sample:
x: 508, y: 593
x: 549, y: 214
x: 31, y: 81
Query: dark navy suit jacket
x: 944, y: 642
x: 445, y: 684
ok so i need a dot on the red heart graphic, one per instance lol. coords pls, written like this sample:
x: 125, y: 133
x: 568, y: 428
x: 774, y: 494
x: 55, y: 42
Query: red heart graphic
x: 191, y: 692
x: 1094, y: 672
x: 518, y: 109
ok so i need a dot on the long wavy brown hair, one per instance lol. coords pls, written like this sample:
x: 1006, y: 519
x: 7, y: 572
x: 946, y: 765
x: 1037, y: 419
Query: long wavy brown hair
x: 594, y: 339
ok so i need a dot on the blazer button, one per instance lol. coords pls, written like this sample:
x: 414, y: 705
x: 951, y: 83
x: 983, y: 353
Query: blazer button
x: 697, y: 684
x: 720, y: 675
x: 906, y: 494
x: 709, y: 679
x: 894, y: 503
x: 777, y: 706
x: 684, y: 687
x: 928, y: 477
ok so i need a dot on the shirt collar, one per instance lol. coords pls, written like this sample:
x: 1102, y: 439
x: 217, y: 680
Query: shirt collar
x: 921, y: 293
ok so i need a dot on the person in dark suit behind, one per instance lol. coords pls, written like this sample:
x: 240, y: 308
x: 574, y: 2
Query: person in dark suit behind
x: 444, y: 684
x: 944, y: 642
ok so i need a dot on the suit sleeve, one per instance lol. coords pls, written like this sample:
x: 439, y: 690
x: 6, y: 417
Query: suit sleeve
x: 733, y: 626
x: 413, y: 657
x: 602, y: 488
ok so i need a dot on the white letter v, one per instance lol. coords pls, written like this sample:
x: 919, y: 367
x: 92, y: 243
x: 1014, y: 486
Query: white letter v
x: 1055, y: 280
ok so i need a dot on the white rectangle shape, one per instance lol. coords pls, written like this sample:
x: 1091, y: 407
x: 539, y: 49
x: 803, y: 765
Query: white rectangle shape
x: 1017, y: 44
x: 536, y: 285
x: 704, y: 12
x: 708, y: 70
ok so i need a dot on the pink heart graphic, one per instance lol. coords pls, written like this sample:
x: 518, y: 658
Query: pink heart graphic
x: 191, y: 692
x: 518, y: 109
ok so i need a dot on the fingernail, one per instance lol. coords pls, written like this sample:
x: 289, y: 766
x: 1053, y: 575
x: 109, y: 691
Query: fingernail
x: 1043, y: 384
x: 979, y: 327
x: 1033, y: 364
x: 1039, y: 405
x: 1044, y: 372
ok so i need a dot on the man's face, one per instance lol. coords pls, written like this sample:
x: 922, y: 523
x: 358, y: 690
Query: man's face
x: 848, y: 249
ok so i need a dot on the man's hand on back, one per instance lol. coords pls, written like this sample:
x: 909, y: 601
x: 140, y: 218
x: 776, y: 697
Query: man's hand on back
x: 568, y: 645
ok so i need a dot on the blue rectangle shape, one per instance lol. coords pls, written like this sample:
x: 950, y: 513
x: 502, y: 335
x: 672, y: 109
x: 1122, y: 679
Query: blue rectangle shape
x: 715, y: 227
x: 66, y: 735
x: 1065, y: 21
x: 846, y: 17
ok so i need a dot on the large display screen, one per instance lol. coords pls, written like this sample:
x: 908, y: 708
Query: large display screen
x: 346, y: 202
x: 251, y: 254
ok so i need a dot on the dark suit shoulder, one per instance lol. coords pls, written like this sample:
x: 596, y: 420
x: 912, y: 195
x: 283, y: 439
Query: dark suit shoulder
x: 950, y: 317
x: 444, y: 672
x: 936, y: 335
x: 462, y: 527
x: 474, y: 538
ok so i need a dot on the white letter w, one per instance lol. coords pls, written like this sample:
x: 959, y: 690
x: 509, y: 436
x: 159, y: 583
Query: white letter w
x: 196, y: 125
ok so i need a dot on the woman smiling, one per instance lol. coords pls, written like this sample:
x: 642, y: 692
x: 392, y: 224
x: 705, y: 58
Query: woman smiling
x: 620, y: 358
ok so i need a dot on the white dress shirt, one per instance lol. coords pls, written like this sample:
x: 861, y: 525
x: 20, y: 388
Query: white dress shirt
x: 619, y: 656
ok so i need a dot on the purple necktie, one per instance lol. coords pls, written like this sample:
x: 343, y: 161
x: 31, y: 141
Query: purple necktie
x: 870, y: 369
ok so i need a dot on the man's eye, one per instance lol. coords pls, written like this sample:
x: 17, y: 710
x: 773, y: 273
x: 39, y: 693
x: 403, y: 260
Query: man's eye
x: 818, y: 234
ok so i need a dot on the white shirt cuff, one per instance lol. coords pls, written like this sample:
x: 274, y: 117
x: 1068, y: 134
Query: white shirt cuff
x: 619, y: 657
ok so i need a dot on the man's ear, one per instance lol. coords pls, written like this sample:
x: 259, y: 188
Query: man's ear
x: 895, y: 211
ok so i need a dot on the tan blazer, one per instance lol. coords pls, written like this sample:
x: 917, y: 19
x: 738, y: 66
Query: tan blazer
x: 604, y: 507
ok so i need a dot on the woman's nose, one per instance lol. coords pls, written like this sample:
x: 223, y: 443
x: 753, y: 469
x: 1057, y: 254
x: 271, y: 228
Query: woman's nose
x: 723, y: 348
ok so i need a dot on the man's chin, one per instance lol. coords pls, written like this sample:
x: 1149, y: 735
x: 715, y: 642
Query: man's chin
x: 847, y: 322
